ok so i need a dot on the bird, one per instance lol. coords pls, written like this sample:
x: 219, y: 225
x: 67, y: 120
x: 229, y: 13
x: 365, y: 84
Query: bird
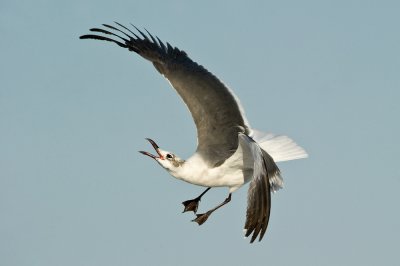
x: 229, y: 152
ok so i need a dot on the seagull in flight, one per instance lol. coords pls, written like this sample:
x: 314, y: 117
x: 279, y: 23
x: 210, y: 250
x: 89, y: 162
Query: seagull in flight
x: 229, y: 152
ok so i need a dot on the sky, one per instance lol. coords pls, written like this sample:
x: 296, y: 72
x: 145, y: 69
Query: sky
x: 73, y: 114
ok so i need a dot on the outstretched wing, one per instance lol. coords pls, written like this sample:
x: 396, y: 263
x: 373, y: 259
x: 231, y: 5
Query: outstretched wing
x: 215, y: 110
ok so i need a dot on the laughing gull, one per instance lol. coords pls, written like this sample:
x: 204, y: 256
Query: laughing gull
x: 229, y: 152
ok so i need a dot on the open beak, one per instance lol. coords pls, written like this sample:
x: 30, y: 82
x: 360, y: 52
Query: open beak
x: 155, y: 146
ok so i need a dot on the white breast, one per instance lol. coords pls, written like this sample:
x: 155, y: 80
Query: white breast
x: 229, y: 174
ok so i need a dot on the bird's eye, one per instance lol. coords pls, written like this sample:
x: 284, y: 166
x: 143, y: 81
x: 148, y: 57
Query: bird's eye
x: 169, y: 156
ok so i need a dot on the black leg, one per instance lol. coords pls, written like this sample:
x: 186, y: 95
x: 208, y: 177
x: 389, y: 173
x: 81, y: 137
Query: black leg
x: 193, y: 204
x: 201, y: 218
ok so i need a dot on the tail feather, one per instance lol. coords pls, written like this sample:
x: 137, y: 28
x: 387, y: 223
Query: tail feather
x: 281, y: 148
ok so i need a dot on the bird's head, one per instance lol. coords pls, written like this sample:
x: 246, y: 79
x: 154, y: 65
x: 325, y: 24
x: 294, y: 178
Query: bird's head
x: 166, y: 159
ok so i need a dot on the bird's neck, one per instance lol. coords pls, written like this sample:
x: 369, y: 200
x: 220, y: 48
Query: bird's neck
x: 194, y: 171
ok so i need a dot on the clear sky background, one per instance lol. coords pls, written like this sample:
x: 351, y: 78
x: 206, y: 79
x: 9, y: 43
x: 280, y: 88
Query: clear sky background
x: 73, y: 114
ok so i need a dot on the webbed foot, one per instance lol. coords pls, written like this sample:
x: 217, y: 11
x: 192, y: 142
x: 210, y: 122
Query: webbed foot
x: 201, y: 218
x: 191, y: 205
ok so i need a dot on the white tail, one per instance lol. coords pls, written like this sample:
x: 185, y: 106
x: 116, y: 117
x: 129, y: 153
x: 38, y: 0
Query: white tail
x: 281, y: 148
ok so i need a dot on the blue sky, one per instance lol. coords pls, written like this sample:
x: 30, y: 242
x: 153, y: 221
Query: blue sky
x: 73, y: 114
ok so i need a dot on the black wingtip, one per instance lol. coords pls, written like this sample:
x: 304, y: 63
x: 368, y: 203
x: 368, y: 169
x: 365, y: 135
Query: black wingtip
x: 84, y: 37
x: 102, y: 38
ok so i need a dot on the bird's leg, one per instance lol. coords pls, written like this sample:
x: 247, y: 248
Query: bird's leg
x: 201, y: 218
x: 193, y: 204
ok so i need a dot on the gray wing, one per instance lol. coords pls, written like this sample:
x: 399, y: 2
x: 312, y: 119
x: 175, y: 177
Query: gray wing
x: 215, y: 110
x: 259, y: 193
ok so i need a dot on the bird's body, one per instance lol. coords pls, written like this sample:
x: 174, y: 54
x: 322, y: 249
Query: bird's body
x: 229, y: 152
x: 229, y: 174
